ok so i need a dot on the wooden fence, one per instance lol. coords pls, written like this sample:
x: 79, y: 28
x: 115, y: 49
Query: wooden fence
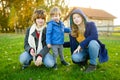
x: 108, y: 30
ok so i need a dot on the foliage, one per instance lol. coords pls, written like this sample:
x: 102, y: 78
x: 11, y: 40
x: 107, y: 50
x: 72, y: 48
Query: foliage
x: 10, y: 68
x: 13, y: 18
x: 20, y: 11
x: 60, y: 3
x: 3, y: 15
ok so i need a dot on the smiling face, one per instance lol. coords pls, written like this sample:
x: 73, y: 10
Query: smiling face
x: 77, y: 19
x: 40, y: 22
x: 55, y: 14
x: 39, y: 17
x: 56, y: 17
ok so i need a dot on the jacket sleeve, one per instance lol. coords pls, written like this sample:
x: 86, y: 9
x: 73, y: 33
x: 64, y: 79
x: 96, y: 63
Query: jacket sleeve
x: 26, y: 45
x: 73, y: 44
x: 44, y: 51
x: 91, y: 34
x: 48, y: 33
x: 67, y: 30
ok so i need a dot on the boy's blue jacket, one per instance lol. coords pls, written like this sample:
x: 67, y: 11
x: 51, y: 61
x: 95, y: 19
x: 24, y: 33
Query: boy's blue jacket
x: 55, y: 32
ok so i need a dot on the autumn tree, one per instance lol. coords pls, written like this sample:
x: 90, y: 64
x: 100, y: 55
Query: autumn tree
x: 17, y: 13
x: 63, y: 4
x: 4, y: 12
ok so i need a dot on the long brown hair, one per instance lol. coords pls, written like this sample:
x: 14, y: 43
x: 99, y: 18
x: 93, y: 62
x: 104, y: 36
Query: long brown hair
x: 76, y: 30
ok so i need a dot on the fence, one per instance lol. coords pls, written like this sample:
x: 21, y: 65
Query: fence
x: 108, y: 30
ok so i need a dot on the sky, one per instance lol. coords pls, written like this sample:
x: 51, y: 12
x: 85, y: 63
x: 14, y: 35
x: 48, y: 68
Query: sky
x: 110, y: 6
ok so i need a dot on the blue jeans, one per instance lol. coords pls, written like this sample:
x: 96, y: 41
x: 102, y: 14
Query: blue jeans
x: 92, y: 50
x: 26, y: 58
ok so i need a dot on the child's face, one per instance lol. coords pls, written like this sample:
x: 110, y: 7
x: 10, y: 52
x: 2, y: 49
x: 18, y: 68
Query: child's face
x: 40, y: 22
x: 56, y: 17
x: 77, y: 19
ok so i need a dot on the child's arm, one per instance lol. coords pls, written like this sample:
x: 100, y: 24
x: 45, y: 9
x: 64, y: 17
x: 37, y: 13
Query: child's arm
x: 43, y: 52
x: 27, y: 47
x: 67, y: 30
x: 48, y: 33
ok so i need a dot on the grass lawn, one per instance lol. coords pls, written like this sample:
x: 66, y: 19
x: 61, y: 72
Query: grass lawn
x: 11, y: 46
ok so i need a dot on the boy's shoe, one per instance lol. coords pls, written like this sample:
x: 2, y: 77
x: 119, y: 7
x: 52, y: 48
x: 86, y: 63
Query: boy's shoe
x: 65, y: 63
x: 55, y: 66
x: 90, y: 68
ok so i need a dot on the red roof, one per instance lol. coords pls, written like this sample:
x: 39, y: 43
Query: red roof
x: 94, y: 13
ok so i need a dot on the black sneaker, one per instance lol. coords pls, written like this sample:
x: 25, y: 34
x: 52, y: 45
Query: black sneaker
x: 84, y: 63
x: 65, y: 63
x: 26, y: 65
x: 55, y: 66
x: 90, y: 68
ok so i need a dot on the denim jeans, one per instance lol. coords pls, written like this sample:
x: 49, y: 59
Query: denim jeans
x: 26, y: 58
x: 92, y: 50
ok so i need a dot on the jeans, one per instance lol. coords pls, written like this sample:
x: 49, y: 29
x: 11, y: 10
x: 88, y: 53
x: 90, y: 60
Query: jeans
x: 26, y: 58
x: 92, y: 50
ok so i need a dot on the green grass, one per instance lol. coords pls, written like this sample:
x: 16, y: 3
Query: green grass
x: 11, y: 46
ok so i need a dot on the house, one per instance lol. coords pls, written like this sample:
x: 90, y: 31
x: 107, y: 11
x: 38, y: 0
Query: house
x: 103, y: 20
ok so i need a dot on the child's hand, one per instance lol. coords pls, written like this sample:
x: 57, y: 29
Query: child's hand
x: 49, y: 45
x: 38, y: 61
x: 77, y: 50
x: 32, y: 52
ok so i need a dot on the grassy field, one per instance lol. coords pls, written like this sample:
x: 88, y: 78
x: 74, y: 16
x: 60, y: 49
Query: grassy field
x: 11, y: 46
